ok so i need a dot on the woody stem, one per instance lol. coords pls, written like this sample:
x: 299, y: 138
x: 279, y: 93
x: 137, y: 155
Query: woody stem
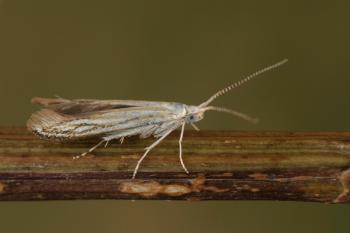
x: 223, y: 165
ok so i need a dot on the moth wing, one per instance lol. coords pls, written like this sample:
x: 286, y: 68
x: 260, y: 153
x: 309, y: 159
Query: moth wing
x: 49, y: 123
x: 79, y: 106
x: 146, y: 131
x: 42, y: 120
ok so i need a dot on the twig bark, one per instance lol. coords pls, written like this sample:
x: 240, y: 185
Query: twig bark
x: 224, y: 165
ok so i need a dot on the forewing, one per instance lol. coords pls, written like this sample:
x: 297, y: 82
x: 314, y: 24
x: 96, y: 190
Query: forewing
x: 157, y: 130
x: 49, y: 123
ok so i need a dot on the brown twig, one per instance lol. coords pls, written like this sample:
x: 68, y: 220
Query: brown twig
x: 224, y: 165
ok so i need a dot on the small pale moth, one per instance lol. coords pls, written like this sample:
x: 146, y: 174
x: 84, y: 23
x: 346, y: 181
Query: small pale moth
x: 63, y: 119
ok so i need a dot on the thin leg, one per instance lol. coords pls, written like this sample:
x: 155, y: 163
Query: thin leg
x: 148, y: 149
x: 195, y: 127
x: 89, y: 151
x: 180, y: 148
x: 121, y: 141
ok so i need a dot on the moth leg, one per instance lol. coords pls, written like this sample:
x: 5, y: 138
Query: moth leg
x: 148, y: 149
x: 89, y: 151
x: 108, y: 140
x: 180, y: 148
x: 195, y: 127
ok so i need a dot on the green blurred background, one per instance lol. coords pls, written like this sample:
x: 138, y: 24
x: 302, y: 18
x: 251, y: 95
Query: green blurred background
x: 179, y: 51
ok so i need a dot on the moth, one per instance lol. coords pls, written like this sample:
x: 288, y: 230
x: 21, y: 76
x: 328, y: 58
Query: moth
x: 63, y: 119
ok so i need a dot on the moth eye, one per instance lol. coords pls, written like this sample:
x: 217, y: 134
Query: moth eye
x: 191, y: 117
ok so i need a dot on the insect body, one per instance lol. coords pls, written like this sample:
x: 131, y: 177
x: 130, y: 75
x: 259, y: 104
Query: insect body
x: 63, y: 119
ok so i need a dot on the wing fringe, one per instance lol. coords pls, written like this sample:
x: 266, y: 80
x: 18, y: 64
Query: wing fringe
x: 48, y: 101
x: 41, y: 120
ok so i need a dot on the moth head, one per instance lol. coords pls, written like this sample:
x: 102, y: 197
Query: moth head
x: 205, y: 105
x: 194, y: 114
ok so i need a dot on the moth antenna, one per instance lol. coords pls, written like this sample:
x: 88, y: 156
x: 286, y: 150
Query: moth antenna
x: 232, y: 112
x: 242, y: 81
